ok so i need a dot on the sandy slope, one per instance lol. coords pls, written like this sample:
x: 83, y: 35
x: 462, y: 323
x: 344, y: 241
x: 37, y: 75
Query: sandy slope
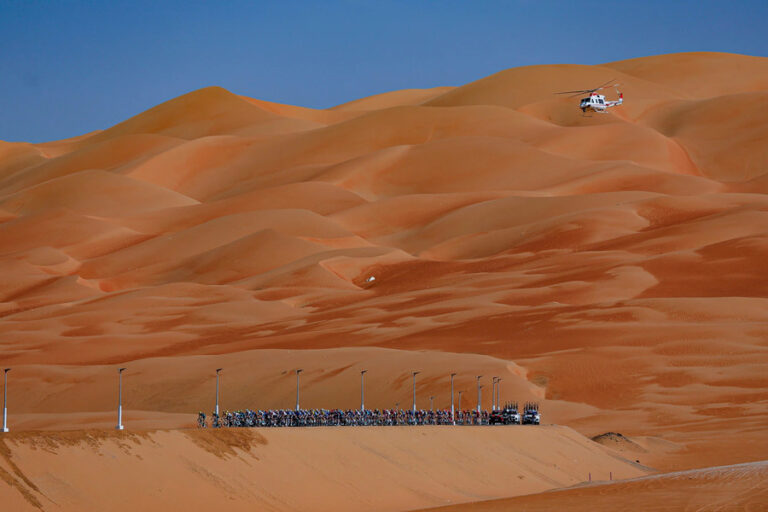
x: 293, y: 469
x: 732, y: 488
x: 615, y: 262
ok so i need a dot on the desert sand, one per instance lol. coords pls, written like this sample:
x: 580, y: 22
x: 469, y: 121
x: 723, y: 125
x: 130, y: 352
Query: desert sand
x: 721, y: 488
x: 334, y: 468
x: 611, y: 267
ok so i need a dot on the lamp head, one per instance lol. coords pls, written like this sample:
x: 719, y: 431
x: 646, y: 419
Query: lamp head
x: 121, y: 370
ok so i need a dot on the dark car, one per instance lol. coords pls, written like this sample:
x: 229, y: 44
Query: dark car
x: 508, y: 416
x: 496, y: 418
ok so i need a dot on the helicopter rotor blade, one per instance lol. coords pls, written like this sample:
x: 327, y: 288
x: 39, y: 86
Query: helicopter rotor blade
x: 575, y: 92
x: 590, y: 90
x: 606, y: 84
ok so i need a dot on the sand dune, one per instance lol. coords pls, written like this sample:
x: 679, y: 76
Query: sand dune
x: 738, y: 487
x: 393, y: 99
x: 209, y: 111
x: 293, y: 469
x: 616, y: 262
x: 688, y: 72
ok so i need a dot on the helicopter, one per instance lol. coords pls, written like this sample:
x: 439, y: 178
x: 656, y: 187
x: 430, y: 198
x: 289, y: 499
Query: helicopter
x: 597, y: 102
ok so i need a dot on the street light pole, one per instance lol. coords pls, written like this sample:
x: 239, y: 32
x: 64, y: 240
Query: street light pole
x: 217, y: 390
x: 297, y: 387
x: 478, y: 393
x: 493, y: 394
x: 432, y: 403
x: 362, y: 389
x: 5, y: 399
x: 120, y: 399
x: 460, y: 392
x: 498, y: 393
x: 479, y: 399
x: 453, y: 412
x: 414, y: 390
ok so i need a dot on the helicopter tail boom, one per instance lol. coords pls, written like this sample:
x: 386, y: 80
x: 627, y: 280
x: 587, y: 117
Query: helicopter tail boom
x: 615, y: 102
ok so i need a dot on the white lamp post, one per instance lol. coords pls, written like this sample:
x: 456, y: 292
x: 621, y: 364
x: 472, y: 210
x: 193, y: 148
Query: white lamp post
x: 478, y: 393
x: 297, y: 387
x: 453, y: 412
x: 362, y: 389
x: 479, y: 399
x: 217, y: 390
x: 5, y: 399
x: 120, y: 399
x: 432, y: 403
x: 414, y: 390
x: 498, y: 393
x: 493, y: 393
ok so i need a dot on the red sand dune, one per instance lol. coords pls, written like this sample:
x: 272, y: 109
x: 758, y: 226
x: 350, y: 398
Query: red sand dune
x: 613, y: 265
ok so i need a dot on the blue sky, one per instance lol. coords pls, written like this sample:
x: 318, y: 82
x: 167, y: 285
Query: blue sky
x: 70, y: 67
